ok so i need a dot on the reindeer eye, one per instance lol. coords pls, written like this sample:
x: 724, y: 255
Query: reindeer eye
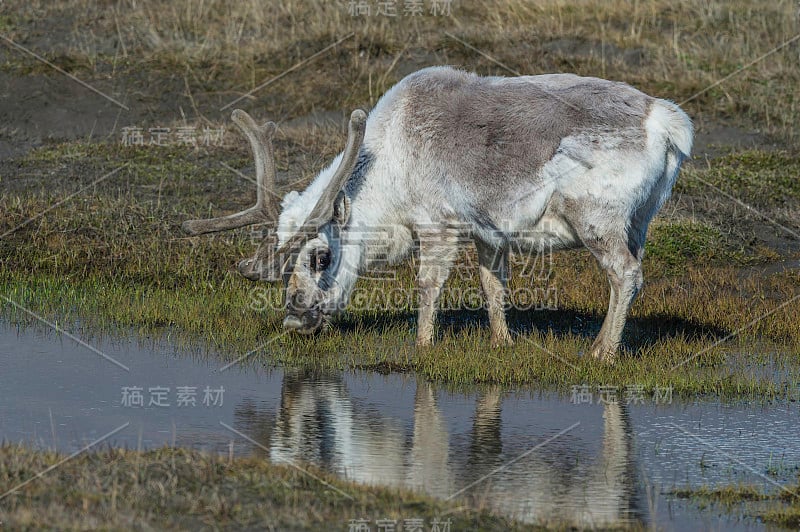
x: 320, y: 260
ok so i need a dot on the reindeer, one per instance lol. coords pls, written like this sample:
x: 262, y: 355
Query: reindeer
x: 552, y: 160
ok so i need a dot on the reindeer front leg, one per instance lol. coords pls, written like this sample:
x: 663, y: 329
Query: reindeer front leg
x: 437, y: 252
x: 493, y: 265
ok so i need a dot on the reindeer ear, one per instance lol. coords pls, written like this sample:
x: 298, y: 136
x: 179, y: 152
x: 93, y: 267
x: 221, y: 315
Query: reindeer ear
x: 341, y: 209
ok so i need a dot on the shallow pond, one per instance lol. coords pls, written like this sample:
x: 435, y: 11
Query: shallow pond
x: 538, y: 457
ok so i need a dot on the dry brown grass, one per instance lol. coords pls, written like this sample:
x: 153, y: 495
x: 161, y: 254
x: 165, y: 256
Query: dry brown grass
x: 218, y: 50
x: 178, y: 489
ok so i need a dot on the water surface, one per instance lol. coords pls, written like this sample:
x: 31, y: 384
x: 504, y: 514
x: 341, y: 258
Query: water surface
x: 536, y: 456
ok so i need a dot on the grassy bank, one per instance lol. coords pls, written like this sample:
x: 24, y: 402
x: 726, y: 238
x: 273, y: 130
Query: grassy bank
x: 178, y: 489
x: 160, y: 55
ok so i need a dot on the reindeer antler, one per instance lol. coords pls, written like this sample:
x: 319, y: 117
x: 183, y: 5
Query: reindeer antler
x: 321, y: 213
x: 323, y: 210
x: 265, y: 209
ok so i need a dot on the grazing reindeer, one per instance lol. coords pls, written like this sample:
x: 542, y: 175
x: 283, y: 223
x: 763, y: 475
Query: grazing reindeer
x: 554, y: 160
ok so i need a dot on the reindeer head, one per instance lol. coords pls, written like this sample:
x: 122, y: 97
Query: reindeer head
x: 308, y: 253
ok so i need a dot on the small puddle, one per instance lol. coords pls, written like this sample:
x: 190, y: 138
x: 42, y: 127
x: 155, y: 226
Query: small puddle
x: 535, y: 456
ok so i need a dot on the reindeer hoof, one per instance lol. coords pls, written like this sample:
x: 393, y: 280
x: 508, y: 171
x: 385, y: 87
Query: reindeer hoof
x: 605, y: 354
x: 501, y: 341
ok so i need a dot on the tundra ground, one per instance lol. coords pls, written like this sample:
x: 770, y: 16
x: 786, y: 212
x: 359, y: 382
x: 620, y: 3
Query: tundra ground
x: 717, y: 315
x: 176, y: 489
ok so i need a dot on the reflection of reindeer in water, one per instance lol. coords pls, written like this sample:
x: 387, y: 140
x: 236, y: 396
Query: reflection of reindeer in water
x: 549, y: 486
x: 319, y: 422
